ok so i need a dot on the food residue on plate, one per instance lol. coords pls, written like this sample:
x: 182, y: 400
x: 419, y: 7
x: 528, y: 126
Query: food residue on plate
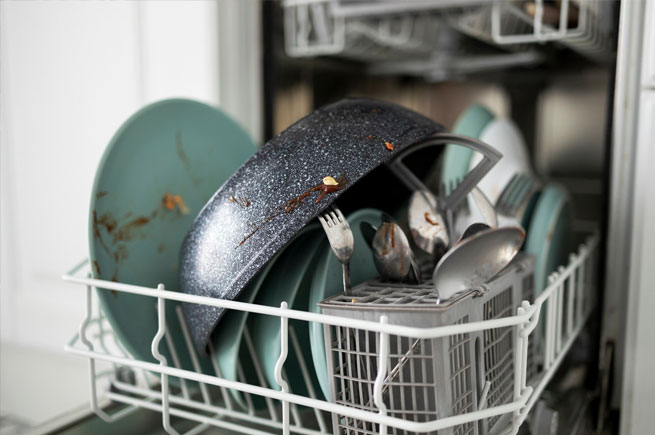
x: 97, y: 268
x: 429, y: 219
x: 172, y: 201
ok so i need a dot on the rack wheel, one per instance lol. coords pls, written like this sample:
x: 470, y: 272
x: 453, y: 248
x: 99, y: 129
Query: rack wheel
x: 545, y: 420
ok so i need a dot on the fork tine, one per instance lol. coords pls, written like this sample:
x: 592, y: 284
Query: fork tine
x: 341, y: 217
x: 327, y: 215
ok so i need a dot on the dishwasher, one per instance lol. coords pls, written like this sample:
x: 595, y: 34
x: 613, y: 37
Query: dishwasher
x: 532, y: 349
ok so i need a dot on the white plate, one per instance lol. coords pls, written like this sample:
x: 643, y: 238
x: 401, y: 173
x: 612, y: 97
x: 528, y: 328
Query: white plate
x: 503, y: 135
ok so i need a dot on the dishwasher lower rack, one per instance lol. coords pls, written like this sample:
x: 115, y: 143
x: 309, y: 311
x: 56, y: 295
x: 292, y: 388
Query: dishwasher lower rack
x: 543, y: 331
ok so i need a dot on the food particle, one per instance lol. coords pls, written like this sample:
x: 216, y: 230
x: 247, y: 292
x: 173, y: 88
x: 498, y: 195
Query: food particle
x: 354, y: 301
x: 169, y: 201
x: 181, y: 205
x: 330, y: 181
x: 389, y: 146
x: 172, y: 201
x: 429, y: 219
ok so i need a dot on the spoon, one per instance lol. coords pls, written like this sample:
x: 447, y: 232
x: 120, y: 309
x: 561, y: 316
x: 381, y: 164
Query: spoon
x: 472, y: 230
x: 476, y: 259
x: 427, y: 225
x: 392, y: 253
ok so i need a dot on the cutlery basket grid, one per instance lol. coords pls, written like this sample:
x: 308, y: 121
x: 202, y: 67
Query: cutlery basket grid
x: 499, y: 404
x: 427, y: 379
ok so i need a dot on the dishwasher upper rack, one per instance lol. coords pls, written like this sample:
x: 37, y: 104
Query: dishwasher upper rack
x: 206, y: 402
x: 383, y: 33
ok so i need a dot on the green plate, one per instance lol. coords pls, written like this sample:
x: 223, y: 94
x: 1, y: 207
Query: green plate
x: 288, y: 281
x: 227, y: 339
x: 457, y: 158
x: 328, y: 281
x: 549, y: 233
x: 173, y: 147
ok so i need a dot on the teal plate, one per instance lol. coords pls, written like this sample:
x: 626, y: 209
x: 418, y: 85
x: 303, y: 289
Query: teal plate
x: 328, y: 281
x: 158, y: 171
x: 549, y: 233
x: 228, y: 338
x: 288, y: 281
x: 457, y: 158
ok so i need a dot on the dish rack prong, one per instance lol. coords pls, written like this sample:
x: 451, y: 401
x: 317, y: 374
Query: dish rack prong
x: 547, y: 336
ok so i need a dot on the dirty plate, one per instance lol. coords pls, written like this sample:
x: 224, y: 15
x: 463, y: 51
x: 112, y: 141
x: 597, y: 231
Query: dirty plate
x: 158, y: 171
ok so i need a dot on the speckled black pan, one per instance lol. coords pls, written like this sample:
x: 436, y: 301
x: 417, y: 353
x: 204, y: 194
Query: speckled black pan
x: 261, y: 207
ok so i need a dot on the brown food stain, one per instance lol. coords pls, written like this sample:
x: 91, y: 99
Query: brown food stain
x: 128, y: 231
x: 96, y: 231
x: 389, y: 146
x: 172, y: 201
x: 101, y: 194
x: 114, y: 278
x: 120, y: 232
x: 243, y: 202
x: 385, y: 248
x: 295, y: 202
x: 185, y: 158
x: 120, y: 253
x: 393, y: 238
x: 161, y: 248
x: 168, y: 201
x: 96, y: 267
x: 429, y: 219
x: 107, y: 221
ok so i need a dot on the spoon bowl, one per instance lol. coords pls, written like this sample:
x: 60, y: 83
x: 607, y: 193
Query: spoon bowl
x: 391, y: 251
x: 476, y: 259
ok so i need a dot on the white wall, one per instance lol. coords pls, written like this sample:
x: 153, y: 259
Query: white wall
x: 70, y: 74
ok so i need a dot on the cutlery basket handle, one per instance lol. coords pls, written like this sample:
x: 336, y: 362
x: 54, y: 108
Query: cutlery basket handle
x: 490, y: 156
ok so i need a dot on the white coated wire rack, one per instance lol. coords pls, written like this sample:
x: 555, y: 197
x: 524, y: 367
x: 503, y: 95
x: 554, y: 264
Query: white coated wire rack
x: 560, y: 311
x: 425, y: 31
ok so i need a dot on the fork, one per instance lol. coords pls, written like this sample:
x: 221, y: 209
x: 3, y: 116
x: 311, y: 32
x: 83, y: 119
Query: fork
x: 513, y: 200
x: 341, y: 241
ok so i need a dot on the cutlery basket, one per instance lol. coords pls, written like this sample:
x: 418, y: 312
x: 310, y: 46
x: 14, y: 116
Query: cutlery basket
x: 427, y: 379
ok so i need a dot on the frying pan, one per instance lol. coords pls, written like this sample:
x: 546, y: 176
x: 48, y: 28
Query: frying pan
x: 280, y: 189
